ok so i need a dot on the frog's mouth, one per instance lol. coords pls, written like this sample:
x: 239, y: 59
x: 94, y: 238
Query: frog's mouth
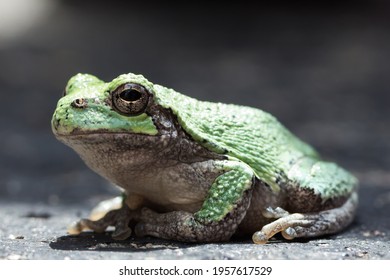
x: 77, y: 132
x: 62, y: 131
x: 114, y: 141
x: 100, y: 135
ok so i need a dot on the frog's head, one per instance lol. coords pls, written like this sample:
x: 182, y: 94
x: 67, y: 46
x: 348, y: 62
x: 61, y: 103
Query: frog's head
x: 91, y: 106
x: 115, y: 127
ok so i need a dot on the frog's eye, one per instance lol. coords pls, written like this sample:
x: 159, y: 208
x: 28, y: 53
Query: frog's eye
x: 130, y: 99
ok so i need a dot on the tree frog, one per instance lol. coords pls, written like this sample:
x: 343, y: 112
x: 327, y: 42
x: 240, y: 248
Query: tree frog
x: 197, y: 171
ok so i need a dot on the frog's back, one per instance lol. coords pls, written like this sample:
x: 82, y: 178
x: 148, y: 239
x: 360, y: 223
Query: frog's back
x: 247, y: 134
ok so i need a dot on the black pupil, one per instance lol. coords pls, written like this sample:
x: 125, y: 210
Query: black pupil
x: 130, y: 95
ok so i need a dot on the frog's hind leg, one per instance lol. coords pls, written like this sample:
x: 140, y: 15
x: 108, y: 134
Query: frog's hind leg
x: 304, y: 225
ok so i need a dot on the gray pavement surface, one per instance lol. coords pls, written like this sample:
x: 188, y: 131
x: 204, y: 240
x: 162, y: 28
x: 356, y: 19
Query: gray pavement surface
x: 322, y: 70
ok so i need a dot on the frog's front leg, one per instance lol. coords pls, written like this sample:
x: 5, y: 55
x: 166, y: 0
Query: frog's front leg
x: 222, y: 211
x: 117, y: 212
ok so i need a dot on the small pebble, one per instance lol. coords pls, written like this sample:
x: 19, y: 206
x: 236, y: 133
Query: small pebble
x: 11, y: 236
x: 363, y: 254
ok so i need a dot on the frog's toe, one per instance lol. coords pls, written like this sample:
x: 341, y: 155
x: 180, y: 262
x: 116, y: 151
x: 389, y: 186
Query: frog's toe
x: 119, y: 218
x: 106, y: 206
x: 290, y: 233
x: 121, y: 232
x: 260, y: 237
x: 86, y: 224
x: 284, y: 225
x: 75, y: 228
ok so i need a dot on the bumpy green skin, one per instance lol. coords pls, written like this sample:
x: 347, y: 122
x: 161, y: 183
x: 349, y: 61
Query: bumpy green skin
x: 246, y: 134
x: 252, y: 136
x: 258, y: 139
x: 255, y: 143
x: 226, y: 190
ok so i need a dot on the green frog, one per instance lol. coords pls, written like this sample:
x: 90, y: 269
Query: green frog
x: 197, y: 171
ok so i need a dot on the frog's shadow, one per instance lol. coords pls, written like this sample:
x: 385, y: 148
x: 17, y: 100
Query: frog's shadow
x: 87, y: 241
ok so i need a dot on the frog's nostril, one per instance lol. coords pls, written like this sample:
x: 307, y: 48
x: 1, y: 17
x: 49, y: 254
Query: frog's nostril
x: 79, y: 103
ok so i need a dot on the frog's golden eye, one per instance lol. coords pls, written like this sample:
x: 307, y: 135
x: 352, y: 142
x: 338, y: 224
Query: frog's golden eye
x: 130, y: 99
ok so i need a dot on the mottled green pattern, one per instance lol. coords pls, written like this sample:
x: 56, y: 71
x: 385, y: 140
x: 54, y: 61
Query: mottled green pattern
x: 226, y: 190
x: 325, y: 178
x: 245, y: 133
x: 252, y: 136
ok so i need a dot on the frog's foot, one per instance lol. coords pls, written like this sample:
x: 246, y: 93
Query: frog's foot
x: 119, y: 218
x: 307, y: 225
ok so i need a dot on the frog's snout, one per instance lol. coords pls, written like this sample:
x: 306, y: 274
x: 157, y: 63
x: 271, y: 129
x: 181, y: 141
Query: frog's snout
x: 55, y: 123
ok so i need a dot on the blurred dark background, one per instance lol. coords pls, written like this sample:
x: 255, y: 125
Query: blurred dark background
x: 322, y: 69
